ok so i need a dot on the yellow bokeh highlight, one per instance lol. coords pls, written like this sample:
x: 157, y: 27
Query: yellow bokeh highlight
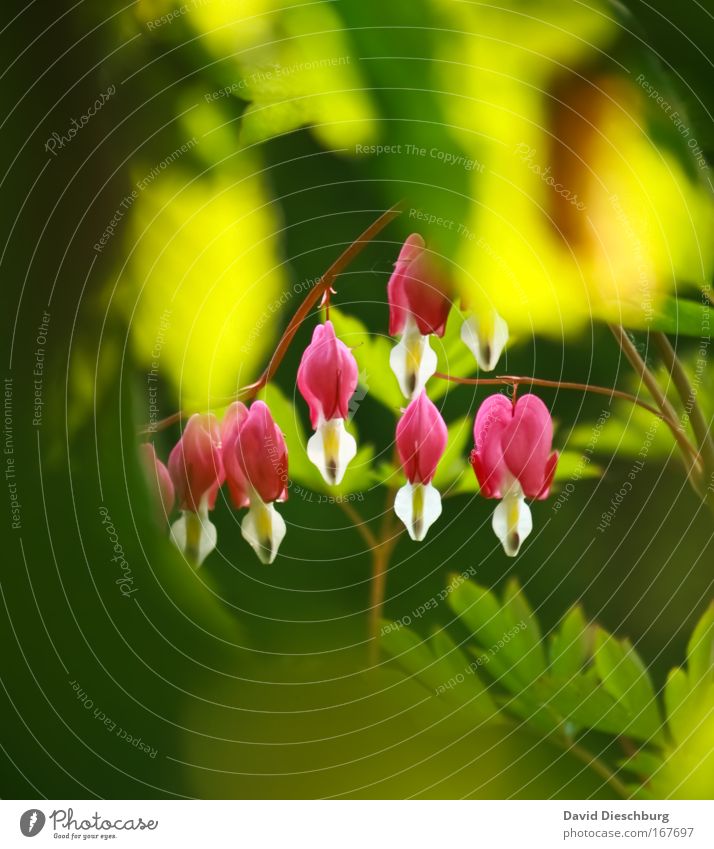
x: 203, y: 279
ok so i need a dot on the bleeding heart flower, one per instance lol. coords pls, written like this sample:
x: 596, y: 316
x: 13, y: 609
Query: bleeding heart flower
x: 418, y: 307
x: 158, y: 478
x: 421, y: 441
x: 512, y: 459
x: 258, y: 475
x: 196, y: 469
x: 327, y: 379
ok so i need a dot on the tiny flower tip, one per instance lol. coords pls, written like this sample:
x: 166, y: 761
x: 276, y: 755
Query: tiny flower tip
x: 485, y: 337
x: 512, y: 522
x: 263, y: 528
x: 331, y: 448
x: 418, y: 506
x: 194, y: 535
x: 413, y: 361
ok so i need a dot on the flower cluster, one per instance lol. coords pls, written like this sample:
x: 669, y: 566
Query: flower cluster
x: 512, y: 458
x: 247, y: 451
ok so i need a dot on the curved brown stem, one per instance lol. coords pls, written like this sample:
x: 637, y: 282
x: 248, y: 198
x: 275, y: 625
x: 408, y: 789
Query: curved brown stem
x: 319, y: 290
x: 650, y: 381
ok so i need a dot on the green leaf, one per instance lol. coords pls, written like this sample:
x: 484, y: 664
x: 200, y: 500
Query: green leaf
x: 679, y: 317
x: 569, y: 646
x: 454, y: 465
x: 585, y: 703
x: 574, y: 466
x: 505, y: 645
x: 469, y: 688
x: 372, y: 355
x: 625, y: 677
x: 700, y: 649
x: 527, y: 639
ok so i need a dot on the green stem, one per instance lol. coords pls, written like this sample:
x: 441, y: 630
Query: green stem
x: 320, y: 289
x: 700, y: 426
x: 650, y: 381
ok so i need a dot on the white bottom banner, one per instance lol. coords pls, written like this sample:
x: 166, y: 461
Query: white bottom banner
x: 358, y: 824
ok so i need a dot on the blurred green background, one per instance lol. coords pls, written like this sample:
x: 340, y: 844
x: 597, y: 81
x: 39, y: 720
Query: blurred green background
x: 225, y: 171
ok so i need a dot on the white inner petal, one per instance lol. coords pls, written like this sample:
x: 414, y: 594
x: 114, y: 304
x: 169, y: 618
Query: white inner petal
x: 512, y: 520
x: 331, y: 448
x: 418, y: 505
x: 263, y: 528
x: 412, y: 360
x: 195, y: 535
x: 486, y: 336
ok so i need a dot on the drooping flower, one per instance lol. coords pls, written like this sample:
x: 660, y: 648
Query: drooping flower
x: 418, y: 307
x: 196, y: 469
x: 421, y: 441
x: 327, y: 379
x: 513, y: 460
x: 256, y: 462
x: 485, y: 333
x: 158, y: 478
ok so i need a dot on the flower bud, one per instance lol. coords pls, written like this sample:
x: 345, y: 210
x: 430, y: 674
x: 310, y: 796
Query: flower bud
x: 327, y: 379
x: 418, y: 307
x: 261, y: 458
x: 158, y: 478
x: 486, y: 335
x: 196, y: 468
x: 421, y: 441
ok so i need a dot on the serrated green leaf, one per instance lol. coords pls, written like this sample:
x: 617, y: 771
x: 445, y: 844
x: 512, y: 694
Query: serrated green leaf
x: 676, y: 693
x: 482, y: 614
x: 471, y: 690
x: 525, y: 630
x: 585, y: 703
x: 625, y: 677
x: 569, y: 645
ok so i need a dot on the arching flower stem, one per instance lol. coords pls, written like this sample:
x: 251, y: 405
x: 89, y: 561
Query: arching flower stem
x: 320, y: 291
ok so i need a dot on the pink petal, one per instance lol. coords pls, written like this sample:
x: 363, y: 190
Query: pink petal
x: 493, y: 417
x: 327, y: 376
x: 262, y: 454
x: 527, y: 442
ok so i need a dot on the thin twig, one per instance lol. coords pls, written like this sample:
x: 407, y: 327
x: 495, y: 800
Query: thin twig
x: 322, y: 286
x: 360, y: 525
